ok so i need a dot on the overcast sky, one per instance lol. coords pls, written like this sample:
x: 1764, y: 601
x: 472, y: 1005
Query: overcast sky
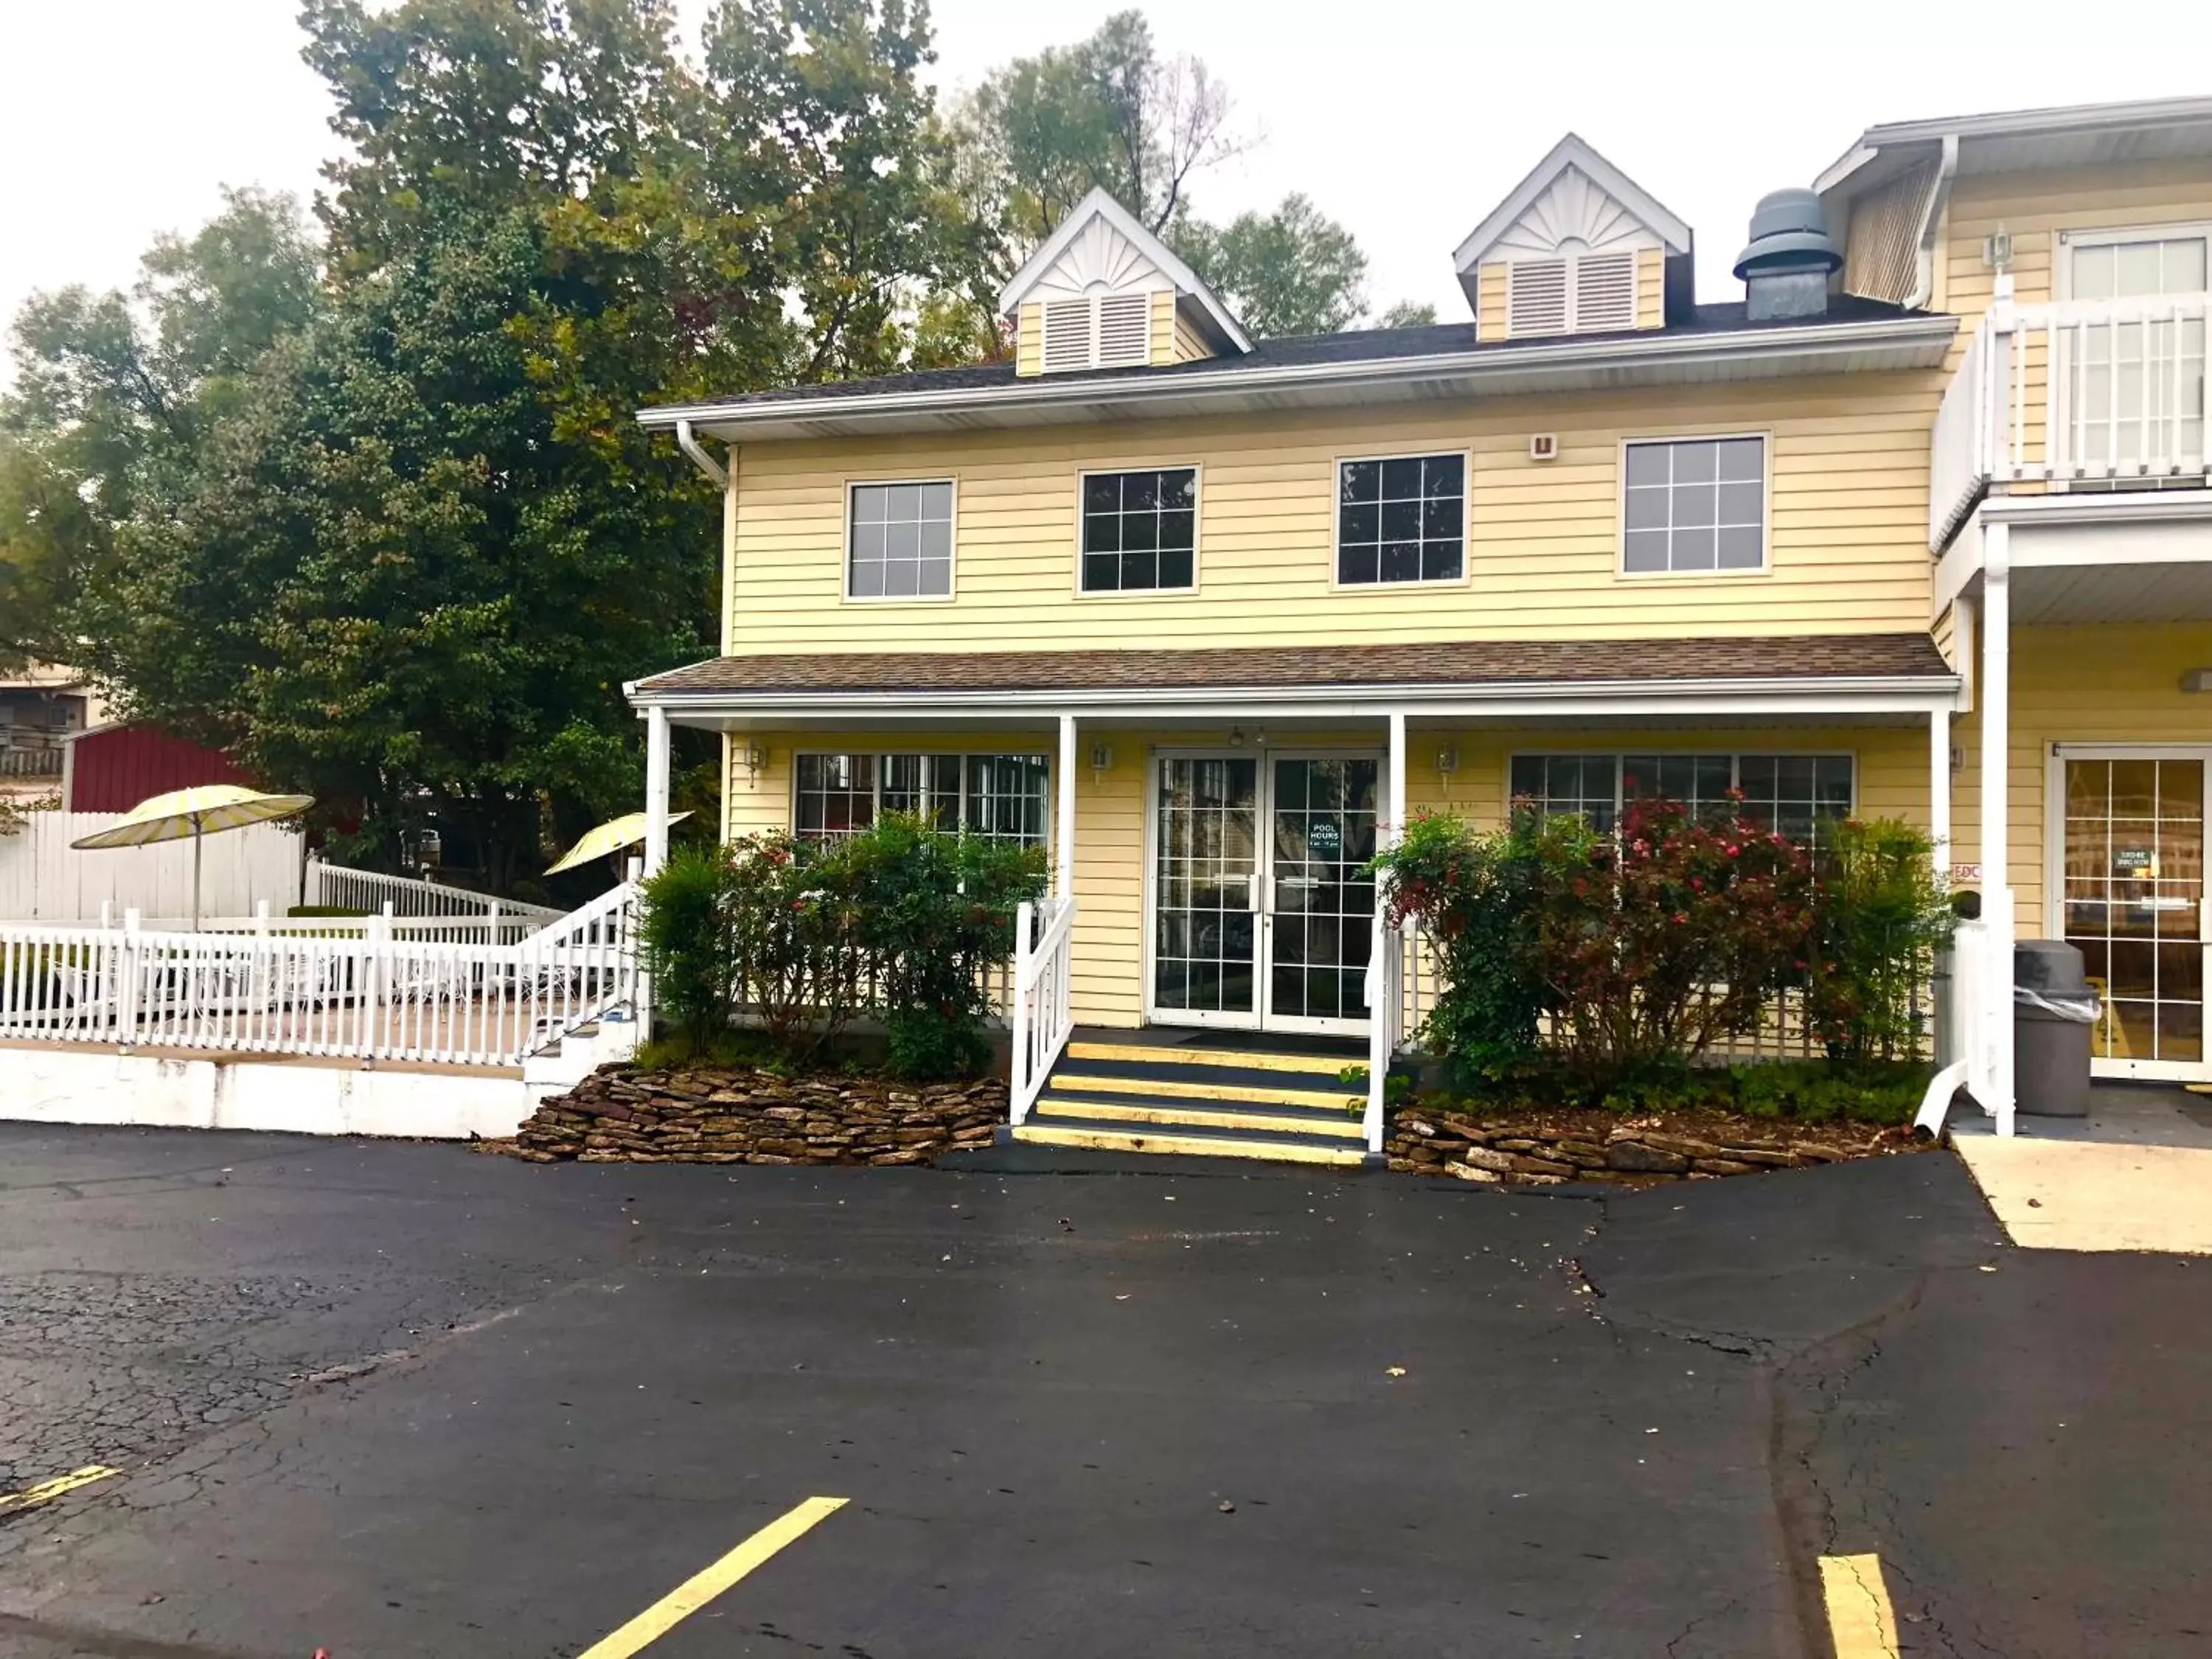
x: 1405, y: 119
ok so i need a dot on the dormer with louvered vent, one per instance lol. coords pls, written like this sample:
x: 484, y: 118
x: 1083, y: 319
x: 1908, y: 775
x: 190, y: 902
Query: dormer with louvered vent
x: 1105, y: 292
x: 1577, y: 248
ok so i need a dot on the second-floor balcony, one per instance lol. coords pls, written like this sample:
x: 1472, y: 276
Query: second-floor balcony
x: 30, y: 763
x: 2095, y: 393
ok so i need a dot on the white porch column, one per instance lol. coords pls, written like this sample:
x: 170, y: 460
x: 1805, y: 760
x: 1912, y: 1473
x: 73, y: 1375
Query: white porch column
x: 656, y: 788
x: 1393, y: 827
x: 1939, y: 790
x: 1063, y: 825
x: 1996, y: 1036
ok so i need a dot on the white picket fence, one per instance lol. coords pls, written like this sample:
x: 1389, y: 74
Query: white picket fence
x: 378, y: 994
x: 372, y: 892
x: 43, y: 879
x: 497, y: 924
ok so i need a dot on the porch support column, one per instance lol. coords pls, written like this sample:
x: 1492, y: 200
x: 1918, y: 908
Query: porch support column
x: 656, y: 788
x: 1996, y: 1036
x: 1063, y: 817
x: 1939, y: 790
x: 1393, y: 827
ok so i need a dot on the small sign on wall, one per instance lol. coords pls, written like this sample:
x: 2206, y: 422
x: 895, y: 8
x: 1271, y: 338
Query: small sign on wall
x: 1964, y: 874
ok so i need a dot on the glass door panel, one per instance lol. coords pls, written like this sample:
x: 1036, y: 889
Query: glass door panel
x: 1206, y: 863
x: 2133, y: 870
x: 1319, y: 931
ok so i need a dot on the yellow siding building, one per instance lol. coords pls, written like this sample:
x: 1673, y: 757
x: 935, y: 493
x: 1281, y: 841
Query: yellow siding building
x: 1208, y: 617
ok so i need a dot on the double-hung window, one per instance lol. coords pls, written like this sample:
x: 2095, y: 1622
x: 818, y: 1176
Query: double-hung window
x: 1001, y: 796
x: 1799, y: 796
x: 899, y: 541
x: 1693, y: 504
x: 1401, y: 519
x: 1140, y: 530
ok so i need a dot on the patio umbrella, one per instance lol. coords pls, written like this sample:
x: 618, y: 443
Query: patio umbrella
x: 196, y: 813
x: 607, y: 839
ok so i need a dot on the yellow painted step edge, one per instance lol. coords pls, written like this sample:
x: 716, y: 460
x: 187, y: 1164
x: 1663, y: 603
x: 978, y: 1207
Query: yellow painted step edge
x: 1260, y: 1093
x: 1050, y: 1105
x: 1259, y: 1060
x: 1107, y: 1140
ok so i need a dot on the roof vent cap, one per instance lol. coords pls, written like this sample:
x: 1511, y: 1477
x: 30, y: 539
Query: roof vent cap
x: 1789, y: 232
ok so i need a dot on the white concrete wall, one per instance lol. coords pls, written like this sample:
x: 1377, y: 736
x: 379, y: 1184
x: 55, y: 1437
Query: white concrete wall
x: 59, y: 1085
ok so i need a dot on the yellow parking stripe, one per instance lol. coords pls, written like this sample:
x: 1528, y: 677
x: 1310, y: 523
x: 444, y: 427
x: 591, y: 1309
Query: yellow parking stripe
x: 695, y: 1592
x: 46, y: 1491
x: 1861, y: 1622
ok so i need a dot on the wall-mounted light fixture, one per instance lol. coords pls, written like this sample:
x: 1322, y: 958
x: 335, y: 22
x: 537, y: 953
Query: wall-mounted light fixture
x: 1102, y: 760
x: 754, y: 758
x: 1447, y: 761
x: 2197, y: 680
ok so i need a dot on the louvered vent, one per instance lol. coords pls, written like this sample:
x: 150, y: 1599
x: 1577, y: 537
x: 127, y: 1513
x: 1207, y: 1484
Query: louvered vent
x: 1067, y: 334
x: 1125, y: 330
x: 1536, y: 297
x: 1605, y: 291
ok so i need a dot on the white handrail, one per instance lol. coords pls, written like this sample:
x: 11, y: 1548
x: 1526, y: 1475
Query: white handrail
x: 377, y: 993
x: 373, y: 891
x: 1043, y: 1004
x: 1385, y: 1013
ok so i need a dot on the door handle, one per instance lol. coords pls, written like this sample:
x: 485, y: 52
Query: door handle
x: 1252, y: 892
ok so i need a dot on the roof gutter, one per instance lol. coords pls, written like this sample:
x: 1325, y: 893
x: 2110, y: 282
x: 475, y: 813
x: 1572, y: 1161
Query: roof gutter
x: 1923, y: 252
x: 700, y: 458
x: 1485, y: 362
x: 1870, y: 693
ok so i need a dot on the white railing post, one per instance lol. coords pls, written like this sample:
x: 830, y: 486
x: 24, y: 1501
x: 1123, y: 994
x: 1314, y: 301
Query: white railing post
x: 1995, y: 693
x: 1384, y: 971
x: 1019, y: 1090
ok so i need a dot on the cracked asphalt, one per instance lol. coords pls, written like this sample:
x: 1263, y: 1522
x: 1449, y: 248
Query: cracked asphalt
x: 398, y: 1400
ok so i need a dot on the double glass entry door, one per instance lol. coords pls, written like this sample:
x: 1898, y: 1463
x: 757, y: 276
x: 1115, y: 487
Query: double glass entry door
x: 1262, y: 913
x: 2133, y: 870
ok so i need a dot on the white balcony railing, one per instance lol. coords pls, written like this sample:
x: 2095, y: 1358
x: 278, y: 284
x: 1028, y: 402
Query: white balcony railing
x: 2077, y: 392
x: 1042, y: 1012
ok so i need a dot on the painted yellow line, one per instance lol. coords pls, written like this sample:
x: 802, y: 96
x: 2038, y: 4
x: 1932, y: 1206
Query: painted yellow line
x: 1195, y: 1117
x: 1177, y: 1088
x: 1861, y: 1622
x: 1249, y: 1059
x: 46, y: 1491
x: 1112, y: 1140
x: 694, y: 1593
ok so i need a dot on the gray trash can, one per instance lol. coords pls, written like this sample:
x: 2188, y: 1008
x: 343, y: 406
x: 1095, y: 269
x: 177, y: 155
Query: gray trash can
x: 2054, y: 1014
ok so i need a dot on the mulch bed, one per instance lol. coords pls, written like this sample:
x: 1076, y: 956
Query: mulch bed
x: 1548, y: 1148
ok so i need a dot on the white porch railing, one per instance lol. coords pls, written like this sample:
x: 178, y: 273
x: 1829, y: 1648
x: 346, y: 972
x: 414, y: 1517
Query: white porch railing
x: 499, y: 924
x: 372, y: 892
x: 2080, y: 390
x: 1387, y: 1015
x: 373, y: 995
x: 1042, y: 1005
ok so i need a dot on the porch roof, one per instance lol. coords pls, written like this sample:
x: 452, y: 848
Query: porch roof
x: 1460, y: 670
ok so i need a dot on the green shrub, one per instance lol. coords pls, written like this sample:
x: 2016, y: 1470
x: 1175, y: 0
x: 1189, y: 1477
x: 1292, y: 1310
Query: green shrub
x: 1883, y: 915
x: 685, y: 938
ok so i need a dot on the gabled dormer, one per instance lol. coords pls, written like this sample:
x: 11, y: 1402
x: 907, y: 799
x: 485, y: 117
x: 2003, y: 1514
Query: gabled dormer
x: 1104, y: 292
x: 1577, y: 248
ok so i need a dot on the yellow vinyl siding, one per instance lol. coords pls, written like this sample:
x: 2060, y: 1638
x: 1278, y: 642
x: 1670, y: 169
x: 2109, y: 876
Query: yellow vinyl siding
x: 2117, y: 683
x: 1029, y: 338
x: 1946, y: 634
x: 1109, y: 984
x: 2035, y: 207
x: 1651, y: 287
x: 1848, y: 527
x: 1163, y: 327
x: 1490, y: 310
x: 1189, y: 345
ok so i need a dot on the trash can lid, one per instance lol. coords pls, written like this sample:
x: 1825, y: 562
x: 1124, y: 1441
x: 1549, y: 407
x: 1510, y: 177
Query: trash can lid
x: 2048, y: 965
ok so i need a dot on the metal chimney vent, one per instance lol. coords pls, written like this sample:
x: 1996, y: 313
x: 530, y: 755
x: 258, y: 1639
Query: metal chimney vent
x: 1785, y: 268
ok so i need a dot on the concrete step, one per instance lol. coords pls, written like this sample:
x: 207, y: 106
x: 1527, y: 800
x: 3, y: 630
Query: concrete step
x: 1108, y: 1137
x: 1075, y: 1100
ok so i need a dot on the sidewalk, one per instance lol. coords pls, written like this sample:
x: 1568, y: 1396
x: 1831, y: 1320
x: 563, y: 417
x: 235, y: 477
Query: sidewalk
x: 2135, y: 1175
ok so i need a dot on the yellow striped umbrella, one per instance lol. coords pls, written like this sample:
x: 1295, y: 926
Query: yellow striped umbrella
x: 197, y: 812
x: 609, y: 838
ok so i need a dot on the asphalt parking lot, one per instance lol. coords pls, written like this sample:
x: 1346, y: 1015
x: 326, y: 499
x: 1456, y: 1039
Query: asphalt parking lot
x: 394, y: 1400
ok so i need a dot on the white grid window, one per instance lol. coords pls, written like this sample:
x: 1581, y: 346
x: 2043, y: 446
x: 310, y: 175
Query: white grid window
x: 1401, y: 520
x: 1140, y: 530
x: 902, y: 541
x: 1695, y: 504
x: 1001, y: 796
x: 1797, y: 795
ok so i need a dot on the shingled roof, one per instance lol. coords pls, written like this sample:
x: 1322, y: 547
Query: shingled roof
x: 1500, y: 663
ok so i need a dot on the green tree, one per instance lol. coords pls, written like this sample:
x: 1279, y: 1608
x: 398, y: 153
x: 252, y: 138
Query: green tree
x: 1291, y: 271
x: 1408, y: 314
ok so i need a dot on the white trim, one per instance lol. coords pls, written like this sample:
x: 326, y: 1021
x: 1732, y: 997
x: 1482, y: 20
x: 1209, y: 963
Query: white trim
x: 1197, y: 470
x: 2062, y: 117
x: 1099, y: 204
x: 1620, y: 570
x: 1572, y: 151
x: 1465, y: 577
x: 846, y: 596
x: 1581, y: 363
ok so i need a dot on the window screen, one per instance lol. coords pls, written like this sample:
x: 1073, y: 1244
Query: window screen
x: 1401, y: 520
x: 1139, y: 531
x: 1695, y: 504
x: 902, y: 541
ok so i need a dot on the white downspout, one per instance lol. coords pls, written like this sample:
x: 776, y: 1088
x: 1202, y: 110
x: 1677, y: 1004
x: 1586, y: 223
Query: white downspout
x: 1064, y: 811
x: 1996, y: 1036
x: 707, y: 464
x: 1931, y: 219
